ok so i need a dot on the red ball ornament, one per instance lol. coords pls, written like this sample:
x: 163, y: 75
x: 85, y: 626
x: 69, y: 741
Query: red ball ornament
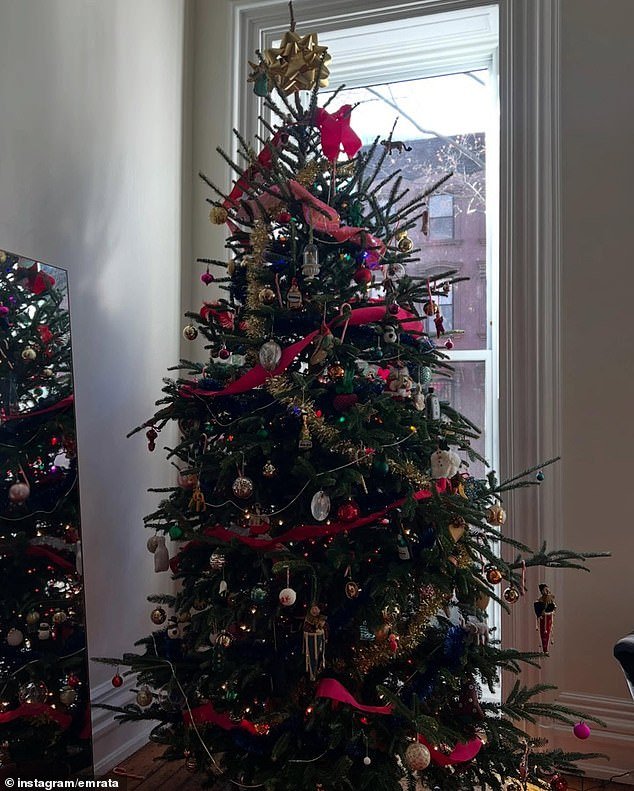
x: 207, y: 278
x: 363, y: 276
x: 73, y: 680
x: 224, y: 354
x: 284, y: 217
x: 348, y: 512
x: 558, y: 783
x: 117, y: 681
x: 582, y: 730
x: 448, y: 344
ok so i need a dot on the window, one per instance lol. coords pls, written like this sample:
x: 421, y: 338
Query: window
x: 441, y: 217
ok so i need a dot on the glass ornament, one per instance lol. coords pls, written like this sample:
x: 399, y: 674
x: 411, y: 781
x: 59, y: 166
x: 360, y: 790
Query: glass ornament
x: 270, y: 355
x: 320, y: 506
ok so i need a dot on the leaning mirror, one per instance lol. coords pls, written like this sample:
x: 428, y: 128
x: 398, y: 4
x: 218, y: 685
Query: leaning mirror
x: 44, y: 691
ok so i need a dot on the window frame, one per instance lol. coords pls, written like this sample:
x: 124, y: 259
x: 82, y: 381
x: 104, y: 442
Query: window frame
x: 530, y: 416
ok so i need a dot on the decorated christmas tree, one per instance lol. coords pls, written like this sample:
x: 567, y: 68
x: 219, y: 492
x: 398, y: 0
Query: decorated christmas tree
x: 44, y: 692
x: 335, y: 557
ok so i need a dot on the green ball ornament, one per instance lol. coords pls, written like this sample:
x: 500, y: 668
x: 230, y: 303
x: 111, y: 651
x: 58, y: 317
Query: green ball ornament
x: 231, y: 696
x: 262, y: 433
x: 258, y: 594
x: 381, y: 466
x: 176, y: 532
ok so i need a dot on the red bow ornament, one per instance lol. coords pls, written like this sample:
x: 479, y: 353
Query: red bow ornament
x: 336, y: 133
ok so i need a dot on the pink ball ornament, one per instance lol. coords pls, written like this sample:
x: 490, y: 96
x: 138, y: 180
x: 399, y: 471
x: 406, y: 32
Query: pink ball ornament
x: 207, y: 278
x: 19, y: 492
x: 582, y: 730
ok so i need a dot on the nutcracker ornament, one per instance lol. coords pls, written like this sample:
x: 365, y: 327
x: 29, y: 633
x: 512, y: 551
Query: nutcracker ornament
x: 315, y: 638
x: 545, y: 611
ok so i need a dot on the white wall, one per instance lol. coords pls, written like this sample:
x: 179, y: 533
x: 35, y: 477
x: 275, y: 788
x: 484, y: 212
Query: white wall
x: 598, y: 284
x: 90, y: 180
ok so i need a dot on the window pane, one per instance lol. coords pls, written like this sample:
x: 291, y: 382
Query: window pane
x: 441, y: 227
x: 466, y: 392
x: 441, y: 206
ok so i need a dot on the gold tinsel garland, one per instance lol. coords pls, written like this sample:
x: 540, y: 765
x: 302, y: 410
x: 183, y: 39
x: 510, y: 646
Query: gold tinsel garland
x: 380, y: 652
x: 254, y: 262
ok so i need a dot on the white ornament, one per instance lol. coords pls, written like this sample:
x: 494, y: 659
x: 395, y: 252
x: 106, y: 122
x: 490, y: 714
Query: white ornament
x: 14, y: 637
x: 441, y: 464
x: 19, y: 492
x: 288, y: 597
x: 173, y: 631
x: 320, y: 506
x: 152, y: 544
x: 456, y: 461
x: 367, y: 760
x: 161, y: 555
x: 44, y: 631
x: 389, y: 334
x: 270, y: 355
x: 417, y: 757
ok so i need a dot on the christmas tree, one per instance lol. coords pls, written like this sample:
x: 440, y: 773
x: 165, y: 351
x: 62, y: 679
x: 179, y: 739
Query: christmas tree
x: 335, y: 557
x: 44, y: 692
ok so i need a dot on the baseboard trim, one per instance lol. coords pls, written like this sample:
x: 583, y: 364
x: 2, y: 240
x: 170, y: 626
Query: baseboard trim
x: 104, y: 726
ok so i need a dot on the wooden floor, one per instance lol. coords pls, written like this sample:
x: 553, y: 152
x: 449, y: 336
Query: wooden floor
x: 143, y: 772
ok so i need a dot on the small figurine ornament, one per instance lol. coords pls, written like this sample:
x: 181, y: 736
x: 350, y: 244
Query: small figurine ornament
x: 305, y: 441
x: 440, y: 327
x: 395, y: 145
x: 324, y: 343
x: 544, y: 610
x: 315, y: 638
x: 294, y: 296
x: 399, y: 382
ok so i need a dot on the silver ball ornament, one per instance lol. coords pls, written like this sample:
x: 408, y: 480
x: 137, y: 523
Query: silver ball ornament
x: 242, y: 487
x: 417, y: 757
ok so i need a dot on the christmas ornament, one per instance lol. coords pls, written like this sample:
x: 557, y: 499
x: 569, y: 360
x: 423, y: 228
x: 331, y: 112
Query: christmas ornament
x: 367, y: 760
x: 352, y: 589
x: 287, y: 597
x: 144, y: 697
x: 305, y: 441
x: 403, y: 548
x: 468, y: 702
x: 29, y: 354
x: 217, y: 561
x: 399, y: 382
x: 224, y: 353
x: 558, y: 783
x: 270, y: 355
x: 390, y: 335
x: 363, y: 276
x: 67, y: 696
x: 496, y: 515
x: 294, y: 297
x: 44, y: 631
x: 336, y: 371
x: 117, y: 680
x: 430, y: 308
x: 310, y: 265
x: 158, y: 616
x: 320, y: 506
x: 218, y: 215
x: 403, y: 242
x: 540, y: 475
x: 59, y: 617
x: 191, y: 764
x: 152, y: 543
x: 19, y: 492
x: 32, y: 617
x: 544, y: 610
x: 187, y: 480
x: 348, y: 511
x: 298, y: 64
x: 269, y: 470
x: 582, y: 730
x: 207, y: 277
x: 511, y: 595
x: 324, y: 343
x: 190, y: 333
x: 151, y: 435
x: 259, y: 594
x: 14, y: 637
x: 444, y: 463
x: 493, y: 575
x: 395, y: 272
x: 449, y: 344
x: 242, y: 487
x: 33, y: 692
x: 197, y: 503
x: 417, y: 757
x: 440, y: 326
x: 161, y: 555
x: 173, y: 630
x: 314, y: 641
x: 224, y: 639
x: 457, y: 528
x: 432, y: 405
x: 266, y: 295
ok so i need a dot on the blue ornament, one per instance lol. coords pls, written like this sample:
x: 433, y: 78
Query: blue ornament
x: 427, y: 537
x: 540, y: 476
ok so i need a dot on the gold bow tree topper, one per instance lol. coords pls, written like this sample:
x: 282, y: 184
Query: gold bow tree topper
x: 298, y: 64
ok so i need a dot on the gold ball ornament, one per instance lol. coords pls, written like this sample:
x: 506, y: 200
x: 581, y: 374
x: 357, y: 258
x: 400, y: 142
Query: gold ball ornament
x: 32, y: 618
x: 29, y: 354
x: 430, y: 308
x: 218, y: 215
x: 242, y: 487
x: 158, y: 616
x: 217, y: 561
x: 190, y: 333
x: 59, y: 617
x: 67, y: 696
x: 417, y: 757
x: 298, y: 64
x: 403, y: 242
x: 144, y: 697
x: 336, y: 371
x: 224, y: 639
x: 511, y: 595
x: 496, y: 515
x: 48, y: 373
x: 266, y: 296
x: 493, y: 575
x: 269, y: 470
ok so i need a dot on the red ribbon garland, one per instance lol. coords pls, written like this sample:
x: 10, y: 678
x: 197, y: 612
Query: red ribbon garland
x: 462, y: 752
x: 53, y: 557
x: 207, y: 715
x: 62, y: 404
x: 258, y: 375
x: 29, y: 710
x: 332, y: 689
